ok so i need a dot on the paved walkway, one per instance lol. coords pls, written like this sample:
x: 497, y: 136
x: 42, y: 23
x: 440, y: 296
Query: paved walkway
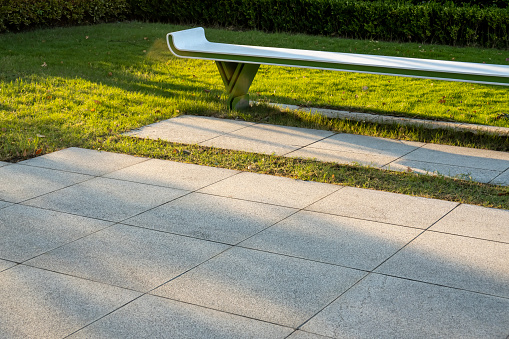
x: 102, y: 245
x: 466, y: 163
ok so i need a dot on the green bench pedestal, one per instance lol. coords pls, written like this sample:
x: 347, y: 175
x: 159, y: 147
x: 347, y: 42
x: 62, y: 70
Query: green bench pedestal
x: 237, y: 78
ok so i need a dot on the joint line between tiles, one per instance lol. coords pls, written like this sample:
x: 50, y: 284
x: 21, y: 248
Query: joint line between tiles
x: 372, y: 271
x: 404, y: 155
x: 312, y: 143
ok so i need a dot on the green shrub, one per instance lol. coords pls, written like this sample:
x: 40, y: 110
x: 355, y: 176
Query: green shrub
x: 21, y: 14
x: 480, y: 3
x: 427, y: 22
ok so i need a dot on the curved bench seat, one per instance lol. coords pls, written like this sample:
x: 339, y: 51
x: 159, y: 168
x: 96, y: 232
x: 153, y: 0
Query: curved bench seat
x: 245, y: 60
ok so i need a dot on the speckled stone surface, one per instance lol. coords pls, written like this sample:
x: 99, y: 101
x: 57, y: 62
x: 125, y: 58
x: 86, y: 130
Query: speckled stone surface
x: 456, y: 261
x: 332, y: 239
x: 388, y: 307
x: 212, y: 217
x: 155, y: 317
x: 172, y: 174
x: 224, y: 254
x: 37, y: 303
x: 261, y: 285
x: 384, y: 207
x: 19, y: 182
x: 107, y: 199
x: 129, y: 257
x: 37, y: 231
x: 271, y: 190
x: 84, y: 161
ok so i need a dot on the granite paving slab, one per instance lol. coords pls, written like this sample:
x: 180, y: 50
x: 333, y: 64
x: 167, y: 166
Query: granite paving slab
x: 384, y: 207
x: 460, y: 172
x: 455, y: 261
x: 270, y: 189
x: 306, y: 335
x: 476, y: 221
x: 279, y: 289
x: 332, y: 239
x: 188, y: 129
x: 19, y: 182
x: 84, y: 161
x: 502, y: 179
x: 129, y: 257
x: 342, y: 157
x: 155, y: 317
x: 42, y: 304
x: 389, y: 307
x: 172, y: 174
x: 107, y: 199
x: 28, y: 231
x: 4, y: 264
x: 249, y: 145
x: 263, y: 138
x: 212, y: 217
x: 4, y: 204
x: 461, y: 156
x: 367, y: 145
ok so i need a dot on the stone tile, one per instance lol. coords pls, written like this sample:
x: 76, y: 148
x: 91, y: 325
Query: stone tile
x: 154, y: 317
x: 249, y: 144
x: 4, y: 264
x: 107, y: 199
x: 282, y: 290
x: 461, y: 156
x: 465, y: 173
x: 42, y: 304
x: 381, y: 206
x: 84, y: 161
x: 285, y: 135
x: 28, y: 231
x: 188, y: 129
x: 387, y: 307
x: 306, y: 335
x: 502, y: 179
x: 476, y: 221
x: 212, y: 217
x: 263, y: 138
x: 4, y: 204
x: 332, y: 239
x: 172, y: 174
x: 342, y: 157
x: 271, y: 189
x: 367, y: 145
x: 454, y: 261
x: 129, y: 257
x: 19, y: 182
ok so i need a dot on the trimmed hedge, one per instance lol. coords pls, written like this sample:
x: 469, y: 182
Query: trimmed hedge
x: 17, y: 15
x: 429, y: 22
x: 437, y: 21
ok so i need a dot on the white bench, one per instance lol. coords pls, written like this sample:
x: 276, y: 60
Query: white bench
x: 238, y: 64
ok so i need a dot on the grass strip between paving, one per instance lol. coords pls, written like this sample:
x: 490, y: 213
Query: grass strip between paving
x: 438, y: 187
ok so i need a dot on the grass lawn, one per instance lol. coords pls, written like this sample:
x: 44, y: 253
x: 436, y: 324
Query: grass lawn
x: 84, y: 86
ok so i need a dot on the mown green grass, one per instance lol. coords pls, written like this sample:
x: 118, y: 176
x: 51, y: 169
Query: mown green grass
x: 84, y: 86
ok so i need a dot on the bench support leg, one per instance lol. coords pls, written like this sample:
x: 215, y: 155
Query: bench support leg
x: 237, y: 78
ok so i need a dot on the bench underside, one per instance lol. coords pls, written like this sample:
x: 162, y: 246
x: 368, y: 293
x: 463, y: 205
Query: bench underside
x: 238, y: 64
